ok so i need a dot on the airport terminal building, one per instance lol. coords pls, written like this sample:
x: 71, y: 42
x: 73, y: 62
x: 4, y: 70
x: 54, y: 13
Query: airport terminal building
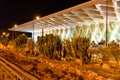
x: 93, y: 19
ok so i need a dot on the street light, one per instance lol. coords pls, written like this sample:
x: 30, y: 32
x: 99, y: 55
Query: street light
x: 7, y: 34
x: 37, y: 17
x: 3, y: 33
x: 15, y: 26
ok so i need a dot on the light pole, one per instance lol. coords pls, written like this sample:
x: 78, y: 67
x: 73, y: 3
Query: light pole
x: 14, y: 31
x: 37, y: 18
x: 42, y: 32
x: 106, y: 22
x: 33, y: 32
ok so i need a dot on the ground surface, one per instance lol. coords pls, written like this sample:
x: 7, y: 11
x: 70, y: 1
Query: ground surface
x: 47, y: 69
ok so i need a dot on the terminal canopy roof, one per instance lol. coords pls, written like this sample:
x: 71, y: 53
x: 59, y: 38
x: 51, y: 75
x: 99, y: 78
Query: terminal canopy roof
x: 94, y: 11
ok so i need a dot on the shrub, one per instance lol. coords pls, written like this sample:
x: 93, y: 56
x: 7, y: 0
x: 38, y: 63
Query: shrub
x: 30, y: 44
x: 31, y: 47
x: 51, y: 46
x: 112, y: 50
x: 48, y: 45
x: 80, y: 46
x: 77, y: 48
x: 20, y: 42
x: 4, y: 40
x: 68, y: 49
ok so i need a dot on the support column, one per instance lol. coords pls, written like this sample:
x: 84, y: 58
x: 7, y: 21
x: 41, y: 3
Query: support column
x: 106, y: 22
x: 42, y: 32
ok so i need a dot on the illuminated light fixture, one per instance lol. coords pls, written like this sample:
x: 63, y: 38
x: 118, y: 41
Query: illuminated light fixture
x: 37, y: 17
x: 7, y: 34
x: 15, y: 25
x: 23, y: 34
x: 3, y: 33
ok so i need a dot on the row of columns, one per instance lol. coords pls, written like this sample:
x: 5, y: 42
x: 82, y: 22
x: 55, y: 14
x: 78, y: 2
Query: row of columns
x: 99, y: 28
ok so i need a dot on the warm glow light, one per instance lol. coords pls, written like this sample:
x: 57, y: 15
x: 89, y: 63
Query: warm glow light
x: 23, y: 34
x: 3, y: 33
x: 37, y: 18
x: 7, y: 34
x: 15, y: 25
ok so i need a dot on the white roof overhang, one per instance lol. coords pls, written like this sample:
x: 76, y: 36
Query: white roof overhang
x: 93, y: 11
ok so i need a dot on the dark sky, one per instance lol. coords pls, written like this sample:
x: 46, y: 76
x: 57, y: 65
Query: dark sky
x: 21, y: 11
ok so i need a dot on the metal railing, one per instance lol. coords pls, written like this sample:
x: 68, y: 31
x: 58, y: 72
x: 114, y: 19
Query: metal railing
x: 9, y: 71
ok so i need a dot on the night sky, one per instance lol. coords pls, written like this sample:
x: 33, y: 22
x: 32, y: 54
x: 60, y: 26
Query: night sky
x: 21, y: 11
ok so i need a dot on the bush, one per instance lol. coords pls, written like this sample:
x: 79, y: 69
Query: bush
x: 51, y: 46
x: 68, y: 49
x: 30, y: 44
x: 80, y: 46
x: 20, y: 42
x: 112, y: 50
x: 48, y: 45
x: 4, y: 40
x: 31, y: 47
x: 77, y: 48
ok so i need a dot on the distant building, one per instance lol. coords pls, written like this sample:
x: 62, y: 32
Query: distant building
x: 89, y: 19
